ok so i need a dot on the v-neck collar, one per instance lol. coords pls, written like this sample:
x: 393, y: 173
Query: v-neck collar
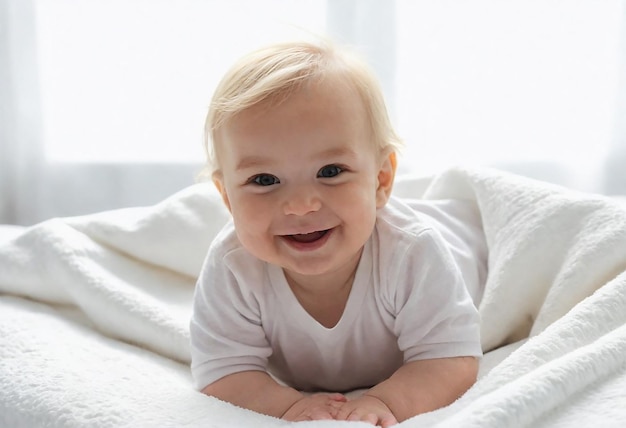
x: 290, y: 305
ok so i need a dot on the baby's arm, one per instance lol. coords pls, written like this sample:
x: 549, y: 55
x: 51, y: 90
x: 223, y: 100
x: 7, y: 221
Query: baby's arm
x: 257, y: 391
x: 416, y: 387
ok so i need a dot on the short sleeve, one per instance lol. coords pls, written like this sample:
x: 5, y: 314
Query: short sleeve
x: 434, y: 313
x: 225, y: 329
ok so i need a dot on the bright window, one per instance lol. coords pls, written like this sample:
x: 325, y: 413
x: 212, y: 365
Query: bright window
x: 481, y: 82
x: 130, y: 80
x: 502, y: 82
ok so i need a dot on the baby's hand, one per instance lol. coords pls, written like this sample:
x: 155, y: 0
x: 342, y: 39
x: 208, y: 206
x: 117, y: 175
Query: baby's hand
x: 315, y: 407
x: 367, y: 408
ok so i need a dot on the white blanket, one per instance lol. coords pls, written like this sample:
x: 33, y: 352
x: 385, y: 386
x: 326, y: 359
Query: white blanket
x: 94, y: 313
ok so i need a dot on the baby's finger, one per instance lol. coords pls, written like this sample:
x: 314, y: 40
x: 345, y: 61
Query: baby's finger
x: 336, y: 404
x: 338, y: 397
x: 369, y: 417
x: 388, y: 421
x: 335, y: 407
x: 320, y: 415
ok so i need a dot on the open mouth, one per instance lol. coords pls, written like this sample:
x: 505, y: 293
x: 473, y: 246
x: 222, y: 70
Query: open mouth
x: 307, y: 238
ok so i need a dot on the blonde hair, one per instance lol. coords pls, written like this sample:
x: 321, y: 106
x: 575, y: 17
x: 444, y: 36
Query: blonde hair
x: 275, y: 71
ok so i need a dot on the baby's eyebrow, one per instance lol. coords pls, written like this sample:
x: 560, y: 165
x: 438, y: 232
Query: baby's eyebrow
x: 252, y: 162
x: 262, y: 161
x: 336, y: 152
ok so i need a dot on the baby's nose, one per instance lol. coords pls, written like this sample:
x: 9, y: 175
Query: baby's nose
x: 301, y: 201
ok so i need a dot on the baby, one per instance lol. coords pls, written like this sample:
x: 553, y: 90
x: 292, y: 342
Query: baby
x: 324, y: 283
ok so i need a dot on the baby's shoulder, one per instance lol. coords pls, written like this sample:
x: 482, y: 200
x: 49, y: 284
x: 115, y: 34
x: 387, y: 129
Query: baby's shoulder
x: 413, y: 217
x: 228, y: 262
x: 225, y: 242
x: 399, y: 222
x: 227, y: 249
x: 410, y: 229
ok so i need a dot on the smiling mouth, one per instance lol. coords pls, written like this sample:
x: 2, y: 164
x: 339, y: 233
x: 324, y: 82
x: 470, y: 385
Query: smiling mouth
x: 307, y: 238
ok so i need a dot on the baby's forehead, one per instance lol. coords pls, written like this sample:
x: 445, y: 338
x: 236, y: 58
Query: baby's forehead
x: 312, y: 90
x: 321, y: 113
x: 337, y: 84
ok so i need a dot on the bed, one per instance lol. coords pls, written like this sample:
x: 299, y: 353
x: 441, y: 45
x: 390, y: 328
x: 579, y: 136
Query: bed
x: 94, y: 312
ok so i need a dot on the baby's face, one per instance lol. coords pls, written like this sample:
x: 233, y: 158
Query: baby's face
x: 303, y: 179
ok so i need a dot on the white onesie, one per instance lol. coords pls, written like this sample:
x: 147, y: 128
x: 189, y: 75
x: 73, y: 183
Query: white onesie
x: 409, y: 301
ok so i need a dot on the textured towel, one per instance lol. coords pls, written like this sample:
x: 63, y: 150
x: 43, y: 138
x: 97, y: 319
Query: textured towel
x: 106, y: 342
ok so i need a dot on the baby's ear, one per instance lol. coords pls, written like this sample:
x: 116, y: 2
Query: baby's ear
x: 386, y: 174
x: 218, y: 181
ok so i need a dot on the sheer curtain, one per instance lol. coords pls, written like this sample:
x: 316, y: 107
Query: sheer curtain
x: 21, y: 158
x: 102, y: 101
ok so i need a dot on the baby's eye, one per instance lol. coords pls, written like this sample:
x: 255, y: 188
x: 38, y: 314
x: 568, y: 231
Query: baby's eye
x: 330, y: 171
x: 264, y: 180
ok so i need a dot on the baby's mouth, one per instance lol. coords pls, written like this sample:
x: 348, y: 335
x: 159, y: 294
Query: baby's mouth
x: 307, y: 238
